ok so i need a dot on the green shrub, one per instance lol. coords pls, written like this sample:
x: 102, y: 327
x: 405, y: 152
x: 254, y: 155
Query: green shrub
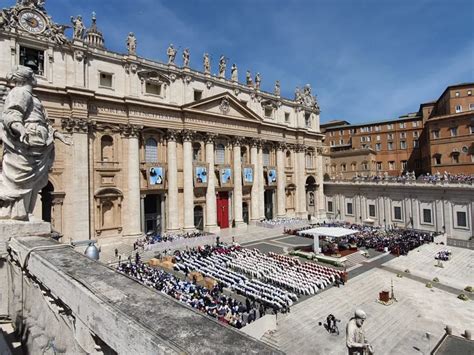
x: 435, y: 279
x: 469, y: 289
x: 407, y: 271
x: 429, y: 285
x: 463, y: 297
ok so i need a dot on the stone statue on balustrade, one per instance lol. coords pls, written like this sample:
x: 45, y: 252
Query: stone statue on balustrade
x: 248, y: 78
x: 234, y: 73
x: 131, y: 44
x: 186, y: 56
x: 78, y: 27
x: 207, y: 63
x: 258, y: 80
x: 28, y: 147
x: 171, y: 52
x: 277, y: 90
x: 222, y: 66
x: 355, y: 336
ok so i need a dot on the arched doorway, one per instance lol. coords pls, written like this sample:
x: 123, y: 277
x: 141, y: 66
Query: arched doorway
x: 198, y: 217
x: 311, y: 195
x: 269, y: 204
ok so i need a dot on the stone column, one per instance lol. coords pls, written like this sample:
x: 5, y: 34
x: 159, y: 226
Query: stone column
x: 133, y: 216
x: 172, y: 181
x: 300, y: 182
x: 79, y: 203
x: 261, y: 183
x: 188, y: 186
x: 142, y: 212
x: 281, y: 181
x: 255, y: 200
x: 320, y: 184
x: 211, y: 203
x: 238, y: 217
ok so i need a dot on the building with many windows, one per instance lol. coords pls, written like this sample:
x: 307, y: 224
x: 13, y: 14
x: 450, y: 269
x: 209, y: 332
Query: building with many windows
x: 160, y: 146
x: 437, y: 138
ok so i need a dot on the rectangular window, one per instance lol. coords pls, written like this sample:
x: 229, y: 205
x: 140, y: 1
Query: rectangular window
x: 330, y: 206
x: 457, y: 94
x: 32, y: 58
x: 349, y: 208
x: 472, y: 129
x: 391, y: 165
x: 378, y: 138
x: 404, y: 164
x: 414, y: 124
x: 287, y: 117
x: 390, y: 126
x: 378, y: 147
x: 343, y: 167
x: 453, y: 131
x: 341, y: 132
x: 152, y: 88
x: 379, y: 165
x: 333, y: 143
x: 403, y: 145
x: 371, y: 210
x: 268, y: 112
x: 469, y: 92
x: 390, y: 136
x: 437, y: 159
x: 471, y: 107
x: 455, y: 158
x: 105, y: 80
x: 416, y: 144
x: 416, y: 134
x: 435, y: 134
x: 403, y: 134
x: 403, y: 125
x: 461, y: 219
x: 427, y: 215
x: 390, y: 146
x: 197, y: 95
x: 397, y: 213
x: 341, y: 141
x: 458, y: 108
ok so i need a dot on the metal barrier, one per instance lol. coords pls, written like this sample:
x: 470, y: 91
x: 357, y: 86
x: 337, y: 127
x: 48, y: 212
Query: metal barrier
x: 466, y: 244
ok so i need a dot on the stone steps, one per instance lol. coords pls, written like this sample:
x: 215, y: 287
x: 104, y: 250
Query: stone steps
x: 271, y: 338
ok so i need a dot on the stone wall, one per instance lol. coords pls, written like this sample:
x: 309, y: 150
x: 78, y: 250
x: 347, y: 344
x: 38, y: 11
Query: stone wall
x: 62, y: 302
x: 431, y: 207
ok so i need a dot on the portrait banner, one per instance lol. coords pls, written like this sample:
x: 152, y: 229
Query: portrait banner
x: 225, y: 176
x: 201, y: 175
x: 156, y: 177
x: 272, y: 176
x: 247, y: 175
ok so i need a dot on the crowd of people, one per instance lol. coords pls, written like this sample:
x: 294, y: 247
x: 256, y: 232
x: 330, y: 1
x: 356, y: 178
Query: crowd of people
x: 396, y: 241
x: 443, y: 255
x: 411, y: 177
x: 210, y: 301
x: 152, y: 238
x: 282, y: 221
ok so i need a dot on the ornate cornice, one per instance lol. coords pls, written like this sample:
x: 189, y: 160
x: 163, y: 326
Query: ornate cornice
x: 281, y: 146
x: 210, y: 138
x: 237, y: 140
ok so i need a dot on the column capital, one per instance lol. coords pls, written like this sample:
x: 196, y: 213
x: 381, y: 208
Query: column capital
x: 280, y: 146
x: 129, y: 130
x: 256, y: 142
x: 187, y: 135
x: 300, y: 148
x: 172, y: 135
x: 75, y: 125
x: 237, y: 141
x: 210, y: 138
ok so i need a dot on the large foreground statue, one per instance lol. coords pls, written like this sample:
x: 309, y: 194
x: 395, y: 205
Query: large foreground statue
x: 28, y: 147
x: 355, y: 336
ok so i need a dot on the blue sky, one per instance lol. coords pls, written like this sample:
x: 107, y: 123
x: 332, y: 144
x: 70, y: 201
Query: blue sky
x: 366, y: 60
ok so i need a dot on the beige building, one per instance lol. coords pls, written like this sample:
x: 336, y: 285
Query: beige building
x: 160, y: 147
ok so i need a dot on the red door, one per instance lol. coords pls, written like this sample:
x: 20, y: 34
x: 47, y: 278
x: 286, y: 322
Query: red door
x: 223, y: 209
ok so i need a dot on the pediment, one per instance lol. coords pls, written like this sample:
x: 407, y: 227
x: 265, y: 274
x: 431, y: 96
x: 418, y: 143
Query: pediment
x: 224, y: 105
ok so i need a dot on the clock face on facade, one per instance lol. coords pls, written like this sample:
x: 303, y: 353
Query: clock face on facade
x: 32, y: 21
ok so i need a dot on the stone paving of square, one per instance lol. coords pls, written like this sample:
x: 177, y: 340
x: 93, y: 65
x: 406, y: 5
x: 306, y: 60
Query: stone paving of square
x: 395, y: 329
x: 458, y: 272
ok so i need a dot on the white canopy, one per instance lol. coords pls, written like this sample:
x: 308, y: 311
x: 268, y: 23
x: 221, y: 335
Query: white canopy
x: 334, y: 232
